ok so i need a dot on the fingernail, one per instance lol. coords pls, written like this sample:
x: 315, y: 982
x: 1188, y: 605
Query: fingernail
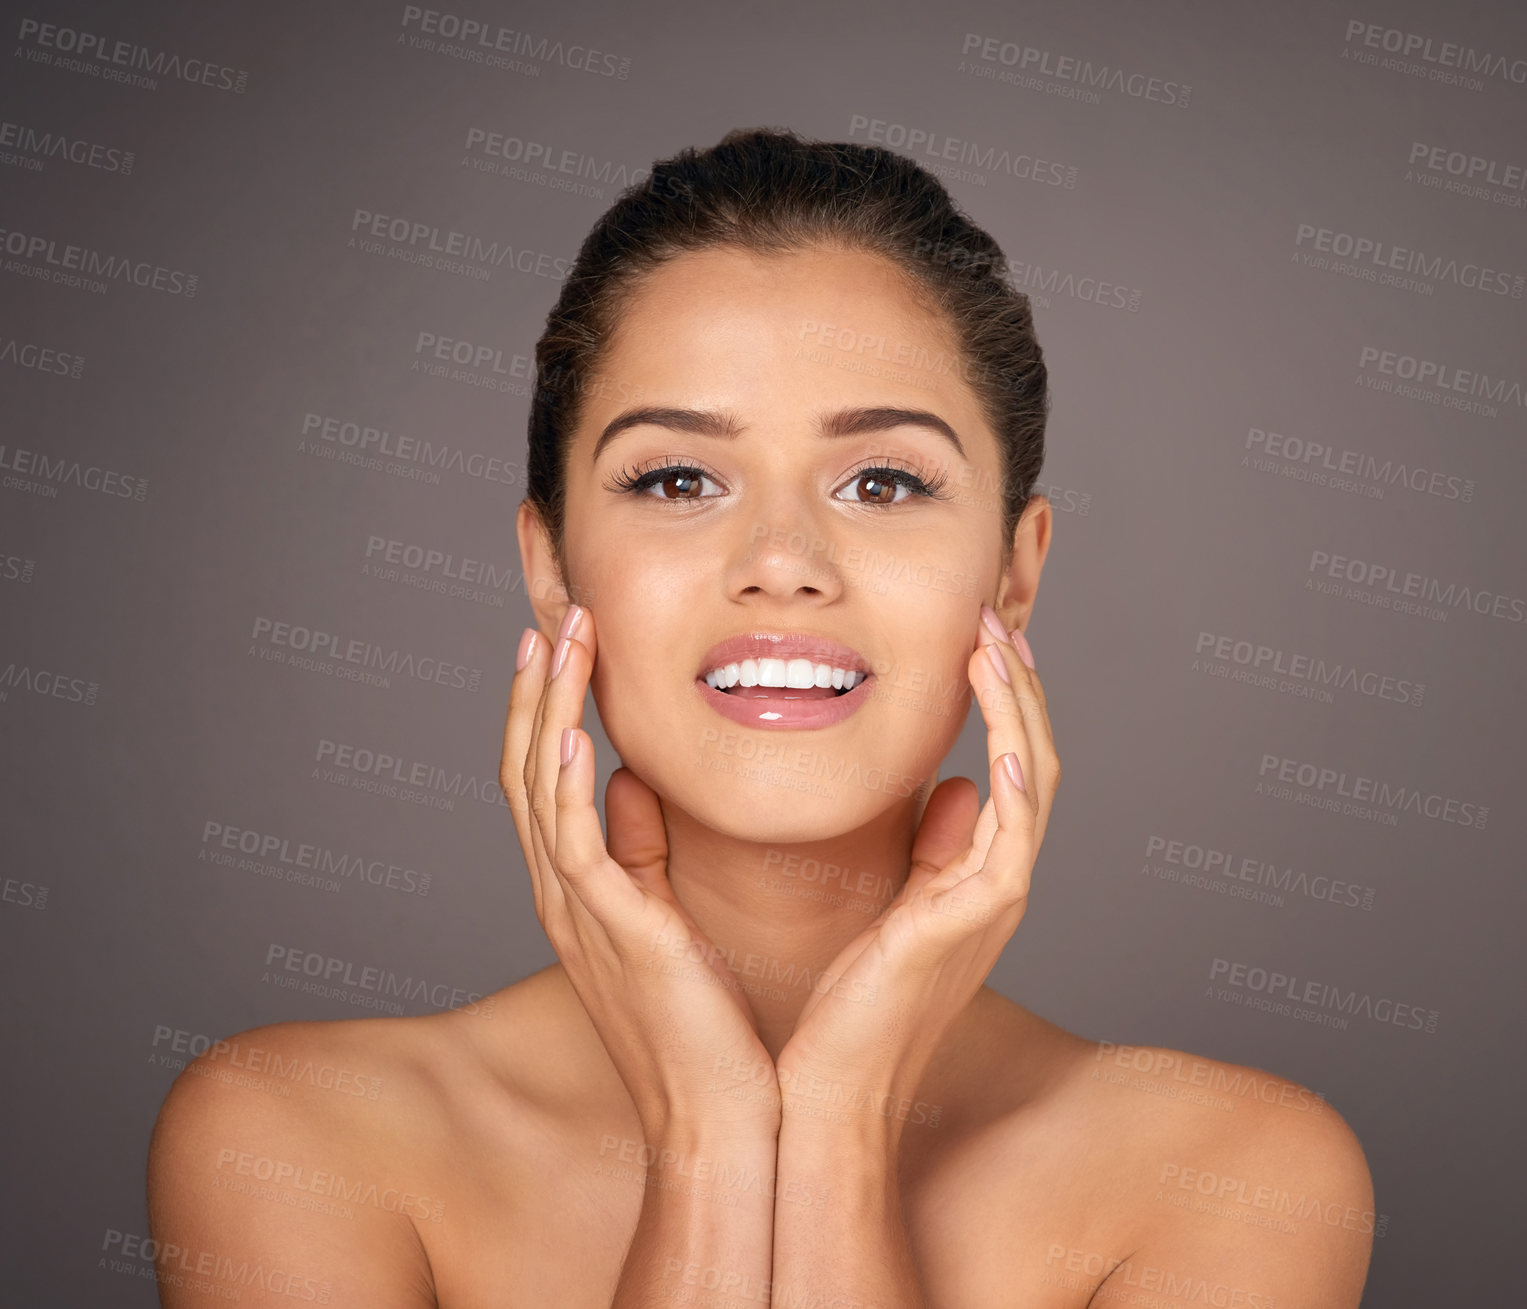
x: 1009, y: 762
x: 999, y: 663
x: 562, y: 649
x: 1021, y: 642
x: 994, y: 624
x: 569, y: 745
x: 527, y: 644
x: 570, y: 621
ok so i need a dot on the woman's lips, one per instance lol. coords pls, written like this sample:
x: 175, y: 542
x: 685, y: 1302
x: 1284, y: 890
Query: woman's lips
x: 785, y: 706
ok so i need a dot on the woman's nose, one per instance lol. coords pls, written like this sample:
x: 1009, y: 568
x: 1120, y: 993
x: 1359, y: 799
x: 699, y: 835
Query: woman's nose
x: 787, y: 559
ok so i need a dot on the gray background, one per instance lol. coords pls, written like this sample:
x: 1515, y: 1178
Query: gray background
x: 136, y: 707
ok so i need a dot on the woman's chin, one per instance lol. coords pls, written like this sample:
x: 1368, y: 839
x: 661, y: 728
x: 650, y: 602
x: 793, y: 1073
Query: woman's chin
x: 775, y: 807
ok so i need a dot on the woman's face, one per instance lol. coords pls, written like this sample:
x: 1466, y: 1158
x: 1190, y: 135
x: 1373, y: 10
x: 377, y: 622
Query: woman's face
x: 780, y: 530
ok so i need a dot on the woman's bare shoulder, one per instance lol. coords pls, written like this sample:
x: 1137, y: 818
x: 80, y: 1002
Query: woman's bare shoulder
x: 1222, y: 1171
x: 352, y: 1079
x: 320, y: 1141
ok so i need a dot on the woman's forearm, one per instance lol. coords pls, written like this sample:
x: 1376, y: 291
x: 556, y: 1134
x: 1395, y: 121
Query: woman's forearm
x: 705, y: 1234
x: 839, y: 1238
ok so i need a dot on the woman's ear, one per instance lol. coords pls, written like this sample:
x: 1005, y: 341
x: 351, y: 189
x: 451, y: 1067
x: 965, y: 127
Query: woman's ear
x: 549, y: 599
x: 1019, y: 584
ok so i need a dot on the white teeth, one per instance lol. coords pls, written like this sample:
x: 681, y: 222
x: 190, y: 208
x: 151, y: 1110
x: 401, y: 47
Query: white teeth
x: 782, y: 673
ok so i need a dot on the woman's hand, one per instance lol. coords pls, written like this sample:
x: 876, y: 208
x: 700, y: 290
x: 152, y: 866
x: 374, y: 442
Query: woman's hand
x: 677, y: 1026
x: 930, y: 951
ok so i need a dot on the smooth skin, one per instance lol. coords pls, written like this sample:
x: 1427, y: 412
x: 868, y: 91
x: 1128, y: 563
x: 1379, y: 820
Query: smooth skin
x: 735, y: 1081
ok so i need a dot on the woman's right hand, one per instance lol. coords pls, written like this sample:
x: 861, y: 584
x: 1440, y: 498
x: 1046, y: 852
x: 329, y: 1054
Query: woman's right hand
x: 677, y: 1025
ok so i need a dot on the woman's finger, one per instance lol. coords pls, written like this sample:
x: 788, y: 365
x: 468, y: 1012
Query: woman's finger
x: 1007, y: 706
x: 540, y: 785
x: 561, y: 707
x: 582, y: 859
x: 945, y: 832
x: 525, y: 695
x: 1044, y: 766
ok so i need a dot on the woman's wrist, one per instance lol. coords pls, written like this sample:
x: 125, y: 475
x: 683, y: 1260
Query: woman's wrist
x: 863, y: 1138
x: 687, y: 1130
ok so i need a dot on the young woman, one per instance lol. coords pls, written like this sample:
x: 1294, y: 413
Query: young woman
x: 789, y: 416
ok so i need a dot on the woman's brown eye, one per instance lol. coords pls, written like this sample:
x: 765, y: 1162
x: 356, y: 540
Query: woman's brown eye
x: 881, y: 491
x: 692, y: 482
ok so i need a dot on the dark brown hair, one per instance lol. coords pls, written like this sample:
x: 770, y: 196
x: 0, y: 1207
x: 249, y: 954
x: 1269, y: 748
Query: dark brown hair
x: 772, y: 191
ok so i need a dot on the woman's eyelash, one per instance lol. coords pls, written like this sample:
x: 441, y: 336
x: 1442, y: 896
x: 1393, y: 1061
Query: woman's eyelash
x: 650, y: 474
x: 644, y: 476
x: 932, y: 487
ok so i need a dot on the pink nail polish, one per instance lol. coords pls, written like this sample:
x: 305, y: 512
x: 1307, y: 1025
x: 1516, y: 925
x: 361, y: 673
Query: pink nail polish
x: 999, y: 662
x: 570, y: 621
x: 569, y: 745
x: 562, y: 648
x: 1022, y: 645
x: 527, y: 645
x: 1014, y: 770
x: 994, y: 624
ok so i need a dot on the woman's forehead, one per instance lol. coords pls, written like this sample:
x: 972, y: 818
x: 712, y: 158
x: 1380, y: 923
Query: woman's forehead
x: 724, y: 328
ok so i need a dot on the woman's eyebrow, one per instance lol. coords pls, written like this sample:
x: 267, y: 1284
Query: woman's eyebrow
x: 723, y: 423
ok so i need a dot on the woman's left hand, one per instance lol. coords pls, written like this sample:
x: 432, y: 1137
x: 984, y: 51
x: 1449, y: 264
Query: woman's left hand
x: 877, y: 1014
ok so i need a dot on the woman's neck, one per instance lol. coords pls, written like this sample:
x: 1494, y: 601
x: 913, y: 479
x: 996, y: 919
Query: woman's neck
x: 780, y: 913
